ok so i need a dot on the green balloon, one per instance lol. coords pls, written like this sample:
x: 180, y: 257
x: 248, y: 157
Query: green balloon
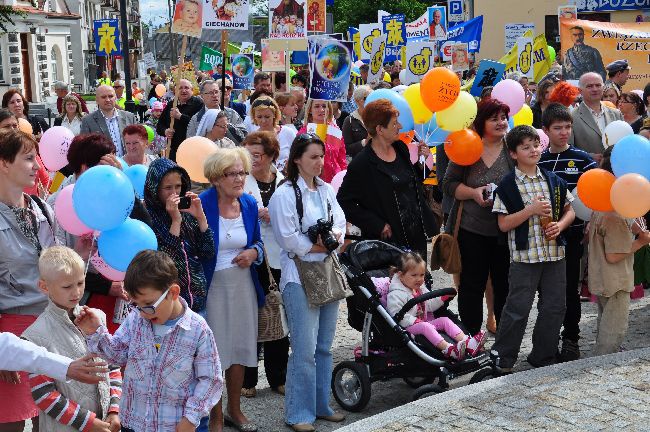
x: 150, y: 133
x: 551, y: 53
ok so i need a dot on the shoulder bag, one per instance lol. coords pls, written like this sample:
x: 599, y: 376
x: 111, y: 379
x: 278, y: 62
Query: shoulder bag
x: 272, y: 320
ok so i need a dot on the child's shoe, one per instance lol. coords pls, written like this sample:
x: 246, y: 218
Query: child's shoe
x: 456, y: 352
x: 476, y: 342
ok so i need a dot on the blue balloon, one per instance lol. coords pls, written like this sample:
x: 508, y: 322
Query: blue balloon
x: 123, y: 162
x: 631, y: 154
x: 405, y: 114
x: 103, y: 197
x: 137, y: 174
x: 119, y: 246
x: 431, y: 133
x: 511, y: 123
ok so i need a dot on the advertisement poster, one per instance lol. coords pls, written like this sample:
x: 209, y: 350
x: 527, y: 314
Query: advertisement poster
x: 525, y: 56
x: 209, y: 58
x: 107, y: 37
x: 437, y: 23
x: 394, y: 28
x: 368, y: 32
x: 587, y: 46
x: 489, y: 73
x: 515, y: 30
x: 420, y: 58
x: 460, y: 57
x: 242, y: 71
x: 287, y: 19
x: 188, y: 19
x: 418, y: 30
x: 316, y: 16
x: 469, y: 32
x: 226, y: 14
x: 330, y: 64
x: 272, y: 61
x: 541, y: 58
x: 376, y: 71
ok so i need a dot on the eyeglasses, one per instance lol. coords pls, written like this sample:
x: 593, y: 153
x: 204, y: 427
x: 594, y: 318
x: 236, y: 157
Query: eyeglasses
x: 256, y: 156
x: 116, y: 87
x: 150, y: 310
x: 234, y: 175
x: 212, y: 93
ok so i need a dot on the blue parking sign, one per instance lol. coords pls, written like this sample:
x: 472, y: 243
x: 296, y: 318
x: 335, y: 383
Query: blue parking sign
x: 455, y: 8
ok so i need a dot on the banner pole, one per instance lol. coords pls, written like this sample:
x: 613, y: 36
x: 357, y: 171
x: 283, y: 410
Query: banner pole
x: 224, y: 51
x: 181, y: 61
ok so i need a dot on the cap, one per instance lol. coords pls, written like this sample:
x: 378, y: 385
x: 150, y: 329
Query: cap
x: 617, y: 66
x: 157, y: 106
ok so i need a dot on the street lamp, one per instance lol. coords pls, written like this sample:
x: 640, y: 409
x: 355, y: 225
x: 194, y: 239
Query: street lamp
x: 129, y: 104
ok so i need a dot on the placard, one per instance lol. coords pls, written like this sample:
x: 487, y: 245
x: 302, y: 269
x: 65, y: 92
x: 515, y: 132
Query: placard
x: 243, y: 70
x: 376, y: 70
x: 316, y: 16
x: 515, y: 30
x: 489, y: 73
x: 395, y: 30
x: 150, y: 60
x: 287, y: 19
x: 188, y: 19
x: 210, y: 58
x: 226, y: 14
x: 420, y: 58
x: 272, y: 61
x: 330, y: 65
x: 368, y: 32
x: 460, y: 57
x: 525, y: 55
x: 437, y: 23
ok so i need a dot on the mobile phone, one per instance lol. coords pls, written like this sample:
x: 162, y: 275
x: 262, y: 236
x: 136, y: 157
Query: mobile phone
x: 184, y: 203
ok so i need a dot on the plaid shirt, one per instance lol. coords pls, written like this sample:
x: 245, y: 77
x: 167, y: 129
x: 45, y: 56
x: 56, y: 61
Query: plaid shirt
x: 183, y: 379
x: 539, y: 248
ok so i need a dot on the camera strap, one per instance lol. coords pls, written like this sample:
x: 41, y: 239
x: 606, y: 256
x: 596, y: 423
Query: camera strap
x: 301, y: 210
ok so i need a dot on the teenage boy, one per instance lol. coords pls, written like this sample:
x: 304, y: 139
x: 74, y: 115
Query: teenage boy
x: 173, y: 374
x: 569, y: 163
x: 533, y: 208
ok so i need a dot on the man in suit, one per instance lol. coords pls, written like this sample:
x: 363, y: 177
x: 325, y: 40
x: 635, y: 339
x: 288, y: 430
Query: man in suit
x: 591, y: 117
x: 108, y: 119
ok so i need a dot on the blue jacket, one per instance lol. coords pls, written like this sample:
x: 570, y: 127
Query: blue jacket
x: 509, y: 194
x: 252, y: 225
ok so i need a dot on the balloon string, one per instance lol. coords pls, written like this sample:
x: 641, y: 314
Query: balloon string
x: 90, y: 253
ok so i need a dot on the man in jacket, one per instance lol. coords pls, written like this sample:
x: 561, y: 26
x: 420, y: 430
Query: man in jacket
x: 211, y: 96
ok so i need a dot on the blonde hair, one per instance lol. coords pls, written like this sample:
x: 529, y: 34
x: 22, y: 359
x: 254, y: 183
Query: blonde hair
x: 59, y: 259
x: 330, y: 110
x: 272, y: 105
x: 218, y: 162
x: 71, y: 98
x: 283, y: 99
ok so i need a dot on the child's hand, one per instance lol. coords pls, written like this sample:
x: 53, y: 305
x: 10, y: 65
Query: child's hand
x: 540, y: 207
x: 100, y: 426
x: 87, y: 321
x: 196, y: 208
x: 171, y: 205
x: 552, y: 231
x: 185, y: 426
x: 114, y: 420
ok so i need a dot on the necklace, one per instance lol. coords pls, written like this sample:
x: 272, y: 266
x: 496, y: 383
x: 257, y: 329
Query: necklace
x: 267, y: 190
x: 228, y: 227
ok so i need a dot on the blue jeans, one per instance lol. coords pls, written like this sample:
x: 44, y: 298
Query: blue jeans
x: 309, y: 370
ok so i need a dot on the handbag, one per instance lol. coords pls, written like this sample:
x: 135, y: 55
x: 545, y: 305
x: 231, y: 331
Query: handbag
x: 272, y: 319
x: 324, y: 281
x: 445, y: 252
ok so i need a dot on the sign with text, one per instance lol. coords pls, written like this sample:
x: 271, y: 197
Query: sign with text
x: 226, y: 14
x: 420, y: 58
x: 210, y: 58
x: 395, y: 30
x: 287, y: 19
x: 330, y: 66
x: 243, y: 69
x: 515, y: 30
x: 489, y: 73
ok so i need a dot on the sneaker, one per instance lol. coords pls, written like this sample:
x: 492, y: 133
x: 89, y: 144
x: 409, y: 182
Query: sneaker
x: 475, y: 343
x: 570, y: 350
x: 456, y: 352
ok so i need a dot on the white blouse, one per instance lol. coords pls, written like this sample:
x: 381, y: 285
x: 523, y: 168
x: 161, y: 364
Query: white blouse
x: 74, y: 126
x: 232, y: 241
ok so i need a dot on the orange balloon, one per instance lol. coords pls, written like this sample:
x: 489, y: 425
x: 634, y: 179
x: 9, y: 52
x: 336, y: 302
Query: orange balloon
x: 25, y: 126
x: 630, y: 195
x: 464, y: 147
x: 191, y: 155
x: 407, y: 137
x: 594, y: 188
x: 609, y: 104
x: 160, y: 90
x: 439, y: 88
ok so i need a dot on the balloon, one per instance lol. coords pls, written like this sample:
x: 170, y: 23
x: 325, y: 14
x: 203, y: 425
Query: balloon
x: 630, y: 195
x: 405, y: 115
x: 615, y: 131
x: 609, y: 104
x: 337, y: 180
x: 464, y: 147
x: 524, y: 116
x: 543, y: 139
x: 582, y: 211
x: 511, y: 93
x: 407, y: 137
x: 137, y: 174
x: 460, y: 115
x: 551, y: 53
x: 103, y: 197
x: 120, y: 245
x: 122, y: 162
x: 421, y: 113
x: 105, y: 270
x: 594, y: 187
x: 25, y: 126
x: 54, y: 146
x: 65, y: 214
x: 402, y: 76
x: 511, y: 123
x: 191, y: 155
x: 631, y: 155
x: 150, y: 133
x: 430, y: 133
x: 439, y: 88
x: 160, y: 90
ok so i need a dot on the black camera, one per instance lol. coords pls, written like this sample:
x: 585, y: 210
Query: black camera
x: 324, y: 229
x: 184, y: 203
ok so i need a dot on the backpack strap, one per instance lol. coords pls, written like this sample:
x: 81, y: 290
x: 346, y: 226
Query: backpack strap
x: 41, y: 205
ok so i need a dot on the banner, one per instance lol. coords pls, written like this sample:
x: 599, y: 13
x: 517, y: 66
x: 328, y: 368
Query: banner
x: 395, y: 30
x: 376, y: 71
x: 242, y: 71
x: 459, y: 57
x: 316, y: 16
x: 272, y: 61
x: 226, y: 14
x: 437, y: 22
x: 420, y: 58
x: 354, y: 36
x: 489, y: 73
x: 247, y: 48
x: 209, y: 58
x: 418, y: 30
x: 188, y: 19
x: 330, y: 65
x: 515, y: 30
x: 107, y: 37
x: 587, y: 46
x: 367, y: 33
x: 469, y: 32
x: 287, y: 19
x: 611, y: 5
x: 539, y: 56
x: 150, y: 60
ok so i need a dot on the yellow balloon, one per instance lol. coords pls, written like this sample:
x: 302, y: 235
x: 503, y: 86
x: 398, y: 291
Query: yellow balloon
x: 460, y: 115
x: 421, y: 113
x: 191, y: 155
x: 25, y: 126
x: 524, y: 116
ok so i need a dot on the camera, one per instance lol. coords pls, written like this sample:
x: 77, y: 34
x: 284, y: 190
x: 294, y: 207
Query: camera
x: 324, y: 229
x: 184, y: 203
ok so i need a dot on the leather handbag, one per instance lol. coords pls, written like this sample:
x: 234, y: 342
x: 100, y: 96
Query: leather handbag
x: 445, y: 252
x: 324, y: 281
x: 272, y: 320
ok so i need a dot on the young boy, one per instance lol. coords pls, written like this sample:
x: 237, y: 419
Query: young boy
x: 611, y: 275
x: 533, y: 208
x: 173, y: 375
x: 569, y: 163
x: 64, y: 405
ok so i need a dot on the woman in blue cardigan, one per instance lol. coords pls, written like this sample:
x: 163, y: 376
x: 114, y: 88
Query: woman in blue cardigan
x: 234, y: 293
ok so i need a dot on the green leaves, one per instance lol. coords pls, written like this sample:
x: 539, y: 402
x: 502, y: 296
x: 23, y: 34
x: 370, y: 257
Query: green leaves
x: 351, y: 13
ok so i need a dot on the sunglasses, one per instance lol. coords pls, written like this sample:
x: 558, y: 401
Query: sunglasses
x: 308, y: 136
x: 150, y: 310
x: 265, y: 102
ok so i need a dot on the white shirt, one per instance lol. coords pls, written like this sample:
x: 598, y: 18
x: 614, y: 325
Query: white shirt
x: 285, y: 137
x: 20, y: 355
x: 74, y: 126
x: 232, y: 241
x: 289, y: 234
x: 599, y: 117
x: 114, y: 129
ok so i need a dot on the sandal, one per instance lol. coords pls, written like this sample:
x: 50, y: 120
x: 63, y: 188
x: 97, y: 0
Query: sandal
x: 249, y: 392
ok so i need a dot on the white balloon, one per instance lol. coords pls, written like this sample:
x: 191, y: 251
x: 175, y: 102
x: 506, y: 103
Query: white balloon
x: 582, y: 211
x: 402, y: 76
x: 615, y: 131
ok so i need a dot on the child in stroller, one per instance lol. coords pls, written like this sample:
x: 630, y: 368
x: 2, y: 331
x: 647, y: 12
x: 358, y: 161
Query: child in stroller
x: 408, y: 282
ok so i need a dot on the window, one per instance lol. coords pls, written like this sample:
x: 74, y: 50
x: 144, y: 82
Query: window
x: 2, y: 66
x: 54, y: 61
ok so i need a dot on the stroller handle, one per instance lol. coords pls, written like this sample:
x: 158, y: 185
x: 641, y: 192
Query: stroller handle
x: 422, y: 298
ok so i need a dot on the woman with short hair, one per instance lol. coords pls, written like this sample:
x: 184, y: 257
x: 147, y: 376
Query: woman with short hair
x: 631, y: 106
x: 15, y: 102
x: 136, y: 143
x: 266, y: 116
x: 355, y: 134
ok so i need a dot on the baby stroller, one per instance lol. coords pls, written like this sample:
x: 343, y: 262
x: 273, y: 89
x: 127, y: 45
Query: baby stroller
x: 387, y: 350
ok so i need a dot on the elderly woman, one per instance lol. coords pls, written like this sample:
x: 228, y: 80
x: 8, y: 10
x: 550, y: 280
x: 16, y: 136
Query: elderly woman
x: 632, y: 108
x: 321, y: 112
x: 235, y: 292
x: 266, y: 116
x: 261, y: 184
x: 312, y: 329
x: 71, y: 115
x: 214, y: 126
x: 354, y: 132
x: 136, y: 142
x: 288, y: 108
x: 382, y: 191
x: 15, y: 102
x: 483, y: 247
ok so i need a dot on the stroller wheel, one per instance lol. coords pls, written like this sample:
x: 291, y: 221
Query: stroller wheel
x: 416, y: 382
x: 482, y: 375
x: 427, y: 389
x: 351, y: 385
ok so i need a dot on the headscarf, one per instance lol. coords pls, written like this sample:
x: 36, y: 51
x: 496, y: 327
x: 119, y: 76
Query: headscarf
x: 207, y: 122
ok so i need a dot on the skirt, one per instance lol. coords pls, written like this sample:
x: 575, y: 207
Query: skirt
x: 232, y: 315
x: 16, y: 399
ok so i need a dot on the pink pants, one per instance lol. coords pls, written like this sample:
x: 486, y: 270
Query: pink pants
x: 430, y: 329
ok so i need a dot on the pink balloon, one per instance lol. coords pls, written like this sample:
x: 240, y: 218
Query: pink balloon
x: 337, y: 180
x: 511, y: 93
x: 105, y: 270
x: 413, y: 151
x: 54, y: 146
x: 66, y: 215
x: 543, y: 139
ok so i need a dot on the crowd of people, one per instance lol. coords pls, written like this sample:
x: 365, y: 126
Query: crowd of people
x: 222, y: 245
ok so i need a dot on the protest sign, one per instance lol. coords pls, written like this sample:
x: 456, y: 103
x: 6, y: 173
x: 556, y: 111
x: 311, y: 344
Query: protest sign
x: 376, y: 71
x: 489, y: 73
x: 316, y: 16
x: 272, y: 61
x: 242, y: 71
x: 395, y: 30
x: 355, y: 37
x: 247, y: 48
x: 418, y: 30
x: 107, y: 40
x: 330, y: 65
x: 540, y: 57
x: 420, y: 58
x: 567, y: 12
x: 437, y: 23
x: 469, y: 32
x: 525, y: 56
x: 515, y: 30
x: 367, y: 33
x: 210, y: 58
x: 226, y: 14
x: 287, y: 19
x: 459, y: 57
x: 187, y: 19
x: 150, y: 60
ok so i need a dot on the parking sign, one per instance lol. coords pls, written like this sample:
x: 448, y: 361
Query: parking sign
x: 455, y: 8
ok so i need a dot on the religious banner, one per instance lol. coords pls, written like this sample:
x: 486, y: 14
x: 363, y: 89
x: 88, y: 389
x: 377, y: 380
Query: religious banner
x: 272, y: 61
x: 210, y: 58
x: 376, y: 71
x: 469, y: 32
x: 418, y: 30
x: 330, y: 65
x: 459, y: 57
x: 489, y: 73
x: 437, y: 23
x: 287, y: 19
x: 395, y: 30
x: 540, y: 58
x: 226, y: 14
x: 107, y: 37
x: 587, y: 46
x: 243, y: 70
x: 368, y: 32
x: 420, y: 58
x: 187, y: 18
x: 316, y: 16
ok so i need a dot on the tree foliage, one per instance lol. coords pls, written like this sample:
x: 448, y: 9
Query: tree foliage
x: 351, y: 13
x: 7, y: 13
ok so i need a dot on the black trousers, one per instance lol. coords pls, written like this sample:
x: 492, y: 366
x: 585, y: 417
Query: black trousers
x: 573, y: 253
x: 481, y: 256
